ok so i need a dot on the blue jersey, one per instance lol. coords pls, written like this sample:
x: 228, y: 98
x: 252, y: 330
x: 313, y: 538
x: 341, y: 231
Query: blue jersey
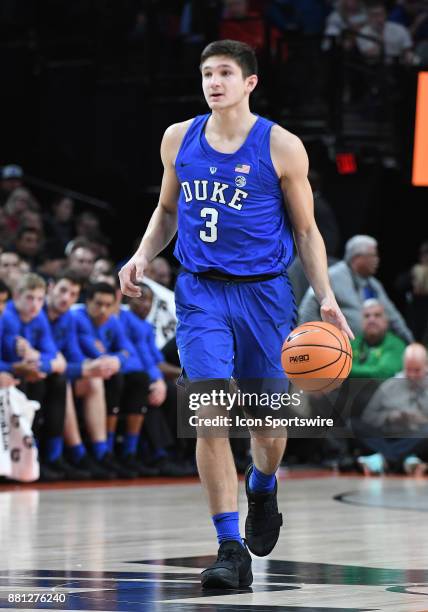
x: 142, y: 336
x: 231, y: 213
x: 106, y: 339
x: 37, y: 332
x: 65, y: 335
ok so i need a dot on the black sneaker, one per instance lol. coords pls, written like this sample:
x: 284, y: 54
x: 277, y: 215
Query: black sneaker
x: 50, y: 474
x: 166, y: 467
x: 97, y: 471
x: 70, y: 471
x: 131, y: 462
x: 263, y: 521
x: 231, y: 570
x: 110, y: 462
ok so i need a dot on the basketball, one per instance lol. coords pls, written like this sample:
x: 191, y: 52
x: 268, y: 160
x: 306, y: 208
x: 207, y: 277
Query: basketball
x: 317, y: 356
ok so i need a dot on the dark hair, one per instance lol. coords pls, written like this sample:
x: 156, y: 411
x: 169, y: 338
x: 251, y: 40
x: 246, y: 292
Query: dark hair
x: 71, y: 275
x: 4, y: 288
x: 242, y: 53
x: 146, y: 287
x: 99, y: 288
x: 26, y: 229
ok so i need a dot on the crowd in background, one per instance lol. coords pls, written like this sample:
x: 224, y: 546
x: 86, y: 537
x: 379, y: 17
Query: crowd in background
x: 106, y: 378
x: 104, y: 370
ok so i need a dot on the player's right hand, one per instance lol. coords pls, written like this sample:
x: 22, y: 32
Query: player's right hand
x: 131, y: 275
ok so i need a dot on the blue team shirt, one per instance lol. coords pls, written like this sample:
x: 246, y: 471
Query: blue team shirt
x: 37, y: 332
x: 65, y: 336
x: 142, y: 336
x: 231, y: 213
x: 111, y: 334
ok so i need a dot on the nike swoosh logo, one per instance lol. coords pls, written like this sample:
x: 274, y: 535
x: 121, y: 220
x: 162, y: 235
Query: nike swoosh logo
x: 184, y: 164
x: 306, y: 331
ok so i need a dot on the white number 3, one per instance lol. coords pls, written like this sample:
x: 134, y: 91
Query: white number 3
x: 211, y: 224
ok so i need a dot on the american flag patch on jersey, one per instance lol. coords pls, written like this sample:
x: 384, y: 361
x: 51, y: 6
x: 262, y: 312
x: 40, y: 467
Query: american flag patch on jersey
x: 244, y: 168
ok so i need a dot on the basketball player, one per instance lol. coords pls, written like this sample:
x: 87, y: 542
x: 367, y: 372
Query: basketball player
x: 235, y: 186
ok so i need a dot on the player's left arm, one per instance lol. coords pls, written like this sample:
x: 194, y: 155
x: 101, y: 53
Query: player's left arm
x: 291, y: 163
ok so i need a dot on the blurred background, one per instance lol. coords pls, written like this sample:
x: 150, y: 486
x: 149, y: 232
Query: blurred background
x: 89, y: 86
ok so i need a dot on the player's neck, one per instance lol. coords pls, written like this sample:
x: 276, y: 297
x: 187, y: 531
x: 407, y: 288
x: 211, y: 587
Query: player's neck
x: 231, y: 122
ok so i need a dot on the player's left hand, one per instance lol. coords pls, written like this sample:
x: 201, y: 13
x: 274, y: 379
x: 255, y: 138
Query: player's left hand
x: 331, y: 313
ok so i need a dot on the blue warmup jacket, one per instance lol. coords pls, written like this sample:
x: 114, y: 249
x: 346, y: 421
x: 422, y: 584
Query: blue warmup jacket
x: 65, y: 336
x: 112, y: 336
x: 142, y: 336
x: 37, y: 332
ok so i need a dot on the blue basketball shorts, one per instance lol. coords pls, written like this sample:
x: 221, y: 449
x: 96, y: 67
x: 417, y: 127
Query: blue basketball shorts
x: 228, y: 328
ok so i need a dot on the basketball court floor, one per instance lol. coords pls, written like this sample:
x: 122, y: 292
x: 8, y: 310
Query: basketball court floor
x: 350, y: 544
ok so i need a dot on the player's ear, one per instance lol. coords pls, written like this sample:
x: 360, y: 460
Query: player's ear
x: 252, y: 81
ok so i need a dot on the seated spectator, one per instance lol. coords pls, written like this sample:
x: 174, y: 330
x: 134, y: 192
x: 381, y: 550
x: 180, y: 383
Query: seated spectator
x: 307, y: 16
x: 141, y: 307
x: 81, y: 259
x: 160, y: 271
x: 17, y: 202
x: 399, y: 408
x: 30, y: 352
x: 28, y: 244
x: 9, y: 266
x: 329, y: 230
x: 4, y: 296
x: 11, y: 178
x: 84, y: 381
x: 162, y: 310
x: 102, y: 266
x: 239, y: 23
x: 4, y: 231
x: 377, y: 352
x: 353, y: 282
x: 60, y: 226
x: 101, y: 334
x: 349, y: 16
x: 381, y: 38
x: 413, y: 15
x: 414, y: 283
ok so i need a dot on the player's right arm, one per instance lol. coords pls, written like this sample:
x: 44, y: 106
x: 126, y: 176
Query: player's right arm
x: 163, y: 224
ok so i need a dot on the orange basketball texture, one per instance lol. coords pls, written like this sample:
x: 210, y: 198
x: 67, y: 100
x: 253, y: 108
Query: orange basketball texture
x: 317, y: 356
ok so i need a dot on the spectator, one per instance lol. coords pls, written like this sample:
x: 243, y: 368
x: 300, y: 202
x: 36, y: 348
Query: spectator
x: 102, y: 266
x: 28, y: 244
x: 308, y: 16
x: 377, y: 352
x: 353, y: 282
x: 100, y: 333
x: 60, y: 226
x: 415, y: 285
x: 4, y: 231
x: 30, y: 352
x: 84, y: 381
x: 384, y: 38
x: 4, y: 296
x: 350, y: 15
x: 87, y: 226
x: 158, y: 305
x: 17, y: 202
x: 413, y: 15
x: 141, y: 307
x: 81, y: 260
x: 160, y: 271
x: 239, y: 23
x: 11, y: 179
x: 9, y: 266
x: 399, y: 408
x: 329, y: 229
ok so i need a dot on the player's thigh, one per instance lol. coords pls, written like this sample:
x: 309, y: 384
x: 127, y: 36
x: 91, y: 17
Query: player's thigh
x: 265, y: 313
x: 204, y: 335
